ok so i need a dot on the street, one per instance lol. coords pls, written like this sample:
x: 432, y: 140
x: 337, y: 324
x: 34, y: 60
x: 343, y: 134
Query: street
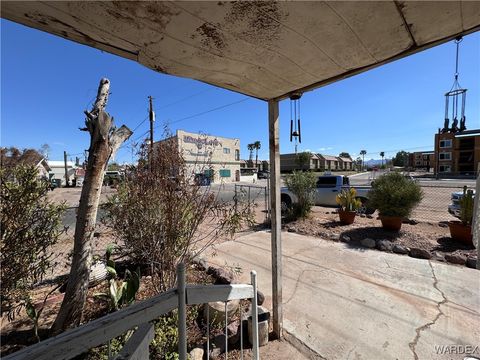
x: 433, y: 208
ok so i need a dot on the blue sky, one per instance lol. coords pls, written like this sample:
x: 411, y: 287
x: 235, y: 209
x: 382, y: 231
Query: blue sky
x: 47, y: 82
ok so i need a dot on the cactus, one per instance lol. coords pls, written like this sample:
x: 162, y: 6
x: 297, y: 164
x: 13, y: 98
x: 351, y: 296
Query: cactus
x: 348, y: 201
x: 466, y: 206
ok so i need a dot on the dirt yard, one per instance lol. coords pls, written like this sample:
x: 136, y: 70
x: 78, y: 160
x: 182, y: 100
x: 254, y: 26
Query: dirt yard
x: 429, y: 236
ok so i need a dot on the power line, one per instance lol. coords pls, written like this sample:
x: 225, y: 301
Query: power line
x: 209, y: 111
x: 140, y: 124
x: 189, y: 117
x: 184, y: 99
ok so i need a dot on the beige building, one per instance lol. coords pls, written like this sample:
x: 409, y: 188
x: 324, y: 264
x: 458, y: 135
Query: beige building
x: 317, y: 162
x: 215, y: 157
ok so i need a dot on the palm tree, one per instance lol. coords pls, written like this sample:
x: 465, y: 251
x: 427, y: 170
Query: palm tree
x: 363, y: 153
x: 256, y: 146
x: 382, y: 154
x: 250, y: 148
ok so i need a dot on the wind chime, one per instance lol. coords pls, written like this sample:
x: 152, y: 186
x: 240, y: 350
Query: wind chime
x: 295, y: 132
x: 455, y: 101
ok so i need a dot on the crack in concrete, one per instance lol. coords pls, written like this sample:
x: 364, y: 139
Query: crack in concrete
x: 296, y: 287
x: 418, y: 330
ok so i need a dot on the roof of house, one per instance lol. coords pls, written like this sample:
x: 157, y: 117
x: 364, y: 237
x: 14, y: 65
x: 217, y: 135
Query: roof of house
x: 345, y: 159
x: 328, y: 157
x: 60, y: 163
x: 28, y: 157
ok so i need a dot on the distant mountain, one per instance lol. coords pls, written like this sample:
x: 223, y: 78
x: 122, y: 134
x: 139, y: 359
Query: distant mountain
x: 376, y: 162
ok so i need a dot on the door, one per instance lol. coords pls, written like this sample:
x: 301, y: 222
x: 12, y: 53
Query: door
x: 327, y: 191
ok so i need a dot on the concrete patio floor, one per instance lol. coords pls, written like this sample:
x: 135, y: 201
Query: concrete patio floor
x: 349, y: 303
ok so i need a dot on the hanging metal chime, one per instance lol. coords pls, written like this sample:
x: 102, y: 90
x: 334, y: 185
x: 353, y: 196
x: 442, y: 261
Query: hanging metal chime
x: 295, y: 131
x: 455, y: 102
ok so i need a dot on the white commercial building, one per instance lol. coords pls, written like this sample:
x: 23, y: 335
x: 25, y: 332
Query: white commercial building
x: 214, y: 157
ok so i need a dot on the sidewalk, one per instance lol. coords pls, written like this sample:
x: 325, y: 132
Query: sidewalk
x: 346, y: 303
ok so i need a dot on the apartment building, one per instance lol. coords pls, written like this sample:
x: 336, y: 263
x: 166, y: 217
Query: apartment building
x: 317, y: 162
x: 458, y: 153
x: 422, y: 160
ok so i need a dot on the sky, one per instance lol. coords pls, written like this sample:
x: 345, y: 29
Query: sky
x: 47, y: 82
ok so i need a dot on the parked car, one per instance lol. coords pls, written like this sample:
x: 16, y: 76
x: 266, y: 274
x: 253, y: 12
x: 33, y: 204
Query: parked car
x: 112, y: 178
x: 328, y: 186
x: 52, y: 184
x: 454, y: 207
x: 263, y: 175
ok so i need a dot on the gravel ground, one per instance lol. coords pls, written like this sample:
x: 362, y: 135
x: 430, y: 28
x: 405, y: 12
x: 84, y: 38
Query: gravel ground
x: 429, y: 236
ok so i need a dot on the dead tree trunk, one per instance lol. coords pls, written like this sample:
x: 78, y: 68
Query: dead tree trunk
x: 105, y: 140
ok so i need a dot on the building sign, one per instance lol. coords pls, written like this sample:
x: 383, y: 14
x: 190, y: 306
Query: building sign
x: 200, y: 142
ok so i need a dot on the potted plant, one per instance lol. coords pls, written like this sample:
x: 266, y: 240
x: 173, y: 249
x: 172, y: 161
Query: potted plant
x: 462, y: 230
x: 394, y: 196
x: 349, y: 205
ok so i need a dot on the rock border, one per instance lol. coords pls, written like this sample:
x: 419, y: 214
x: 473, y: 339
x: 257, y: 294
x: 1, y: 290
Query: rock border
x: 389, y: 246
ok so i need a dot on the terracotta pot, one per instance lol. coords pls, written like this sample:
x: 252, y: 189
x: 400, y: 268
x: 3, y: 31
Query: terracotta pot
x: 460, y: 232
x: 346, y: 217
x: 393, y: 223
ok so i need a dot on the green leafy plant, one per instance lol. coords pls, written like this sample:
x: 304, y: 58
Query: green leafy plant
x: 394, y: 195
x: 348, y: 201
x: 34, y: 315
x: 466, y: 206
x: 122, y: 292
x: 30, y: 225
x: 302, y: 185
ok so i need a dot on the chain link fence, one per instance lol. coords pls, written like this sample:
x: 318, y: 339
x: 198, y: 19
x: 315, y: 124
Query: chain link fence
x: 253, y: 195
x: 435, y: 203
x: 62, y: 251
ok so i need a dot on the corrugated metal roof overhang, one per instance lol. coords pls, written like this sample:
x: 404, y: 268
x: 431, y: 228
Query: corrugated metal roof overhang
x: 262, y: 49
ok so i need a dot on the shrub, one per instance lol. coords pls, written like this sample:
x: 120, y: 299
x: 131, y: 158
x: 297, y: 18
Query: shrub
x: 157, y: 213
x: 30, y: 224
x: 394, y: 195
x: 302, y: 185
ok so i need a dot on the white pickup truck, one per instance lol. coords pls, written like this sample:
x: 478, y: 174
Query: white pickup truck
x: 328, y: 186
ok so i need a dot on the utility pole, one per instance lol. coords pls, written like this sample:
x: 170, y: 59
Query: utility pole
x: 152, y: 120
x: 66, y: 168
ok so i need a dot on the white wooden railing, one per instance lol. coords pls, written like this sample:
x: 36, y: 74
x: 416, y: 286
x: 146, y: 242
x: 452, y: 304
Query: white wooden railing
x: 95, y: 333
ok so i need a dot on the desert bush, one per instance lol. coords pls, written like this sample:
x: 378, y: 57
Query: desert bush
x: 164, y: 218
x: 302, y: 185
x: 30, y: 224
x: 393, y: 194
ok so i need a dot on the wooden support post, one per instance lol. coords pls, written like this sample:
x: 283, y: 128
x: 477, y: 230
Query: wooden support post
x: 182, y: 312
x: 255, y: 346
x: 476, y: 218
x: 273, y: 131
x: 66, y: 168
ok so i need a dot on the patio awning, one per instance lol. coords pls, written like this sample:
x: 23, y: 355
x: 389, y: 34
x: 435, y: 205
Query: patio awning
x: 262, y: 49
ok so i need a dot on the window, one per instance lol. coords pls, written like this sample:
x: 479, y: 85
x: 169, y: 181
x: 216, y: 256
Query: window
x: 224, y: 173
x: 326, y: 181
x: 226, y: 150
x: 446, y: 143
x: 445, y: 168
x: 237, y: 154
x: 445, y: 156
